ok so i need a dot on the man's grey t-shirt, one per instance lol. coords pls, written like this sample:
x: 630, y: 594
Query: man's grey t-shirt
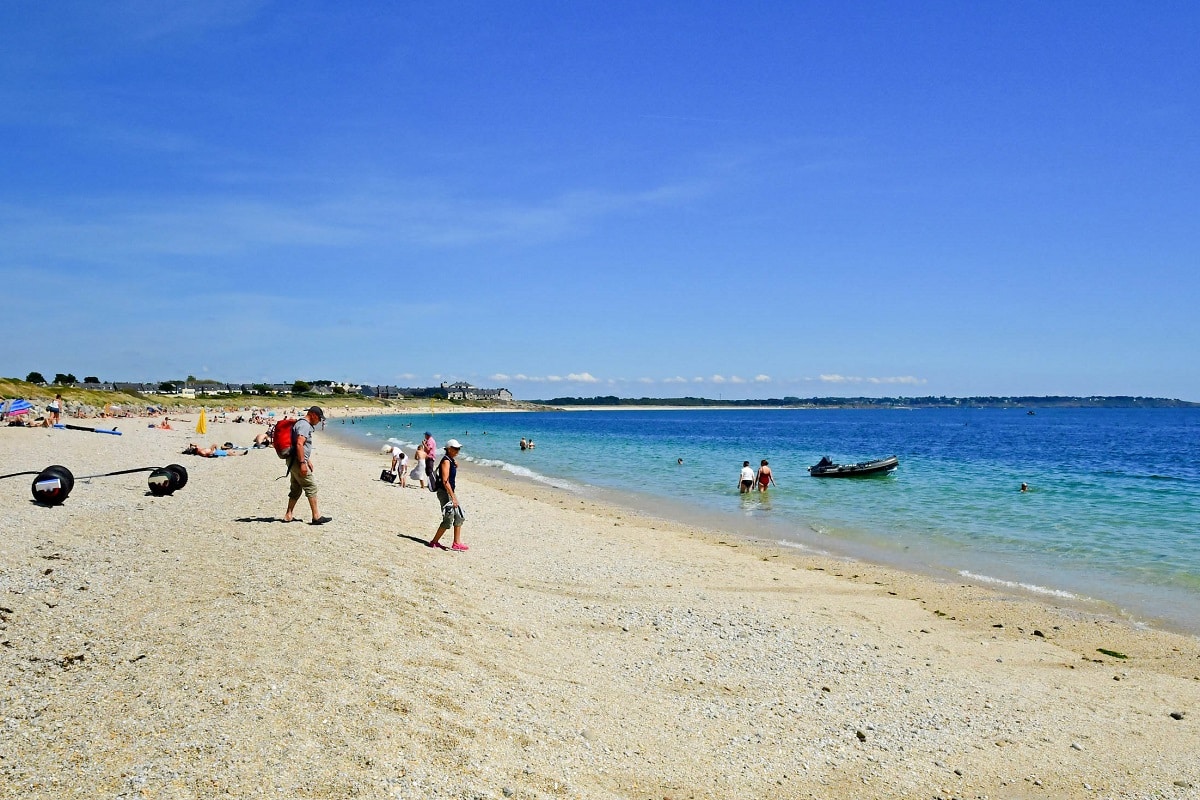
x: 304, y: 428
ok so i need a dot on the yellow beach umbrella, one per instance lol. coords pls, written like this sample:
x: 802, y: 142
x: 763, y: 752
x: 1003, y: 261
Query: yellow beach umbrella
x: 202, y: 424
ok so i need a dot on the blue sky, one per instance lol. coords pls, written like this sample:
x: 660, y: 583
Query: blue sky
x: 632, y: 198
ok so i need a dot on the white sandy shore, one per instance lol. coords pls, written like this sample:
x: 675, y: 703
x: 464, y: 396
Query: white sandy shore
x: 195, y: 646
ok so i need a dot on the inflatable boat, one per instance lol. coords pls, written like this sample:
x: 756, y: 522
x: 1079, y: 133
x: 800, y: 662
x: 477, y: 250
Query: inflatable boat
x: 825, y: 468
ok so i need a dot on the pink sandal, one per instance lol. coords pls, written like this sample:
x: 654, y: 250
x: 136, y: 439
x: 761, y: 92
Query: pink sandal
x: 460, y: 547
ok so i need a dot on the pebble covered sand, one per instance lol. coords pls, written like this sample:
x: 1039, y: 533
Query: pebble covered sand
x: 195, y: 646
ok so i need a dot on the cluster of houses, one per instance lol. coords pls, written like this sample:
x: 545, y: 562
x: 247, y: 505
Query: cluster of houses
x: 446, y: 391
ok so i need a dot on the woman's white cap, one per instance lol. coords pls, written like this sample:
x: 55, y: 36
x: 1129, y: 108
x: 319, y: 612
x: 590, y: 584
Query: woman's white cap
x: 454, y: 443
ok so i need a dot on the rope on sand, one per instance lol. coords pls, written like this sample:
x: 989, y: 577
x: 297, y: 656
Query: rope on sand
x: 53, y: 484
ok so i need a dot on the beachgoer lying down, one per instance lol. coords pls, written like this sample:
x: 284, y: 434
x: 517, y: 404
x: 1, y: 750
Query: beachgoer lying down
x: 212, y: 451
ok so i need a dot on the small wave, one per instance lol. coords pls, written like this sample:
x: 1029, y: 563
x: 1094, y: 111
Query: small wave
x: 524, y: 472
x: 1028, y: 587
x: 802, y: 547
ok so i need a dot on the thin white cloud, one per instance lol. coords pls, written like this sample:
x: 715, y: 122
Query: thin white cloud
x: 421, y: 216
x: 736, y: 379
x: 573, y: 377
x: 905, y: 379
x: 645, y: 380
x: 717, y: 379
x: 697, y: 380
x: 676, y: 379
x: 762, y: 378
x: 146, y: 21
x: 117, y: 229
x: 898, y: 379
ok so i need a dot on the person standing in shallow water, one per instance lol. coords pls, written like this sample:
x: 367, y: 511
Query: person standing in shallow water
x: 452, y: 515
x: 746, y: 481
x: 764, y: 478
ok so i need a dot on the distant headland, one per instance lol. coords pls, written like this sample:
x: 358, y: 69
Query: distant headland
x: 1050, y: 401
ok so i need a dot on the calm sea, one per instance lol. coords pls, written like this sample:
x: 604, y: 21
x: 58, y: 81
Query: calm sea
x: 1113, y: 511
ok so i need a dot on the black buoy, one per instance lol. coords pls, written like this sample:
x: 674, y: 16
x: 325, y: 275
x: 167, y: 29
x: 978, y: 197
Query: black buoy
x: 180, y: 476
x: 162, y: 481
x: 52, y: 485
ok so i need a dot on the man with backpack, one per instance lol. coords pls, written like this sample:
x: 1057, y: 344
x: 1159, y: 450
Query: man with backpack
x: 300, y: 466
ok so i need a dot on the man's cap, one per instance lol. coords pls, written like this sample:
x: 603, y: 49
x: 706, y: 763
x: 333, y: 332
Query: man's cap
x: 318, y: 411
x: 454, y: 443
x: 428, y: 434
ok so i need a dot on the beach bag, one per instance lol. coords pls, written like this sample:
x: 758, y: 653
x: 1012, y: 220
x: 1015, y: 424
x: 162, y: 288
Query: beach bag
x: 283, y: 437
x: 387, y: 476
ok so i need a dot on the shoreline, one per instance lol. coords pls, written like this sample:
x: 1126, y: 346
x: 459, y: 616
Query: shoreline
x: 192, y: 645
x: 785, y: 535
x: 957, y: 596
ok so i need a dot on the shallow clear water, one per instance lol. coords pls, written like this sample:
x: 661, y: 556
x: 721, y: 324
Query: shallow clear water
x: 1113, y: 512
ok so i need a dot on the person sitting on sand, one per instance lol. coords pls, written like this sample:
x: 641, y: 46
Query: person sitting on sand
x: 165, y: 425
x: 212, y: 451
x: 262, y: 440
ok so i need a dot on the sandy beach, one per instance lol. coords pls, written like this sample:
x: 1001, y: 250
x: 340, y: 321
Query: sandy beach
x: 195, y: 646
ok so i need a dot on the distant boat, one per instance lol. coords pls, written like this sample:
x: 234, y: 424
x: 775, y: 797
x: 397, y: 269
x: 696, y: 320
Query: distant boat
x: 825, y: 468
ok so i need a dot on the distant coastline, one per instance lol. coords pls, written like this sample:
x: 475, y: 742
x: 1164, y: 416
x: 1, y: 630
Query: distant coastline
x: 1030, y: 402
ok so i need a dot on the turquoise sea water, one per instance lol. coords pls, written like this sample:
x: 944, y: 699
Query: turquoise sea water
x: 1113, y: 513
